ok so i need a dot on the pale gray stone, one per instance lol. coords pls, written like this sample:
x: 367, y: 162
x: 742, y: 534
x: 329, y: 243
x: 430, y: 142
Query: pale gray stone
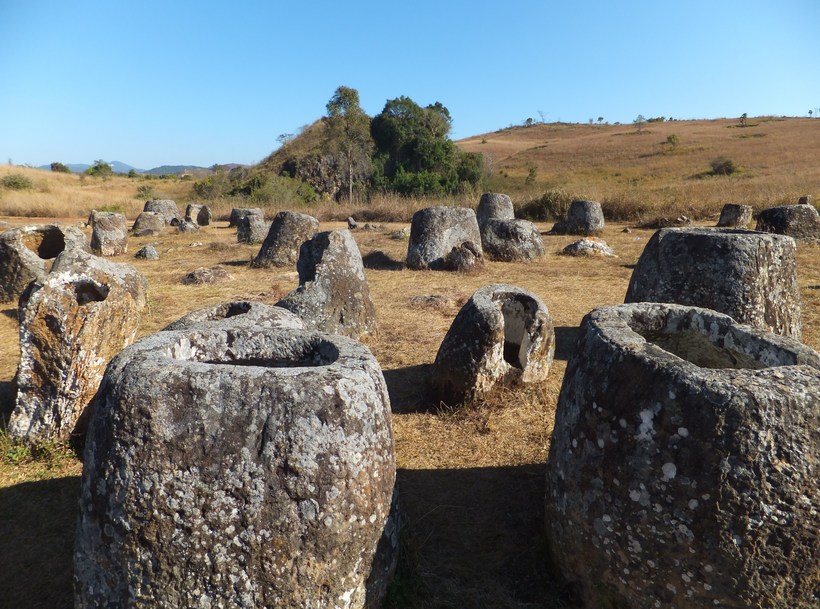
x: 683, y: 463
x: 148, y: 252
x: 251, y: 229
x: 735, y: 215
x: 802, y: 222
x: 242, y: 212
x: 436, y: 231
x: 583, y: 218
x: 494, y: 206
x: 286, y: 235
x: 502, y: 336
x: 247, y: 312
x: 750, y: 276
x: 588, y: 247
x: 198, y: 214
x: 166, y: 208
x: 238, y: 467
x: 148, y: 224
x: 511, y: 240
x: 109, y: 233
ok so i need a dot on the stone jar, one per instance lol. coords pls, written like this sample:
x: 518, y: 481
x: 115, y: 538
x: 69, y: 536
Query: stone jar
x: 583, y: 218
x: 750, y: 276
x: 168, y: 209
x: 502, y: 336
x: 287, y: 233
x: 734, y: 215
x: 684, y: 461
x: 494, y: 206
x: 511, y: 240
x: 436, y: 231
x: 801, y: 222
x: 238, y: 467
x: 109, y: 233
x: 256, y: 314
x: 148, y: 224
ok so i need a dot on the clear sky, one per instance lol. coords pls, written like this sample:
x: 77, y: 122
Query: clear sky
x: 182, y: 82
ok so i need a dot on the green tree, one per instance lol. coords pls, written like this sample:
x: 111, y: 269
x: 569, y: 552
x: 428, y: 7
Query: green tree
x: 349, y: 140
x: 743, y: 120
x: 639, y: 122
x: 60, y: 168
x: 100, y: 169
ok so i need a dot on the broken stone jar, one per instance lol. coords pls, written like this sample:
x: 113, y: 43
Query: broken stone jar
x: 503, y: 335
x: 238, y: 467
x: 684, y: 461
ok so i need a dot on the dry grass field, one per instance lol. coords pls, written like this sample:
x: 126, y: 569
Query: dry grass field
x: 471, y: 481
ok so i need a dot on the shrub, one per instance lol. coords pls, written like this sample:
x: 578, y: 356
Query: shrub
x: 60, y: 168
x: 16, y: 181
x: 723, y: 166
x: 145, y: 191
x: 672, y: 141
x: 552, y: 205
x: 100, y: 169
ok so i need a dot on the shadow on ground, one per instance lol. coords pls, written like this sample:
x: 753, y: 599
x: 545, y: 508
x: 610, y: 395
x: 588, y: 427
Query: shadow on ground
x: 37, y: 543
x: 475, y: 538
x: 565, y: 339
x: 409, y: 388
x: 379, y: 261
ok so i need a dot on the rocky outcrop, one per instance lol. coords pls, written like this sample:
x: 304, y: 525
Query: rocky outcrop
x: 494, y: 206
x: 166, y: 208
x: 583, y: 218
x: 109, y: 233
x: 436, y: 231
x: 287, y: 233
x: 734, y: 215
x: 750, y: 276
x: 801, y: 222
x: 27, y: 252
x: 511, y: 240
x: 333, y: 294
x: 148, y: 224
x: 683, y: 464
x: 198, y: 214
x: 243, y: 212
x: 238, y: 467
x: 502, y: 336
x: 84, y: 313
x: 240, y: 312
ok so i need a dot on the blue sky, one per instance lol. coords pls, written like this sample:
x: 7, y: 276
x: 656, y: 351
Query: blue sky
x: 152, y: 83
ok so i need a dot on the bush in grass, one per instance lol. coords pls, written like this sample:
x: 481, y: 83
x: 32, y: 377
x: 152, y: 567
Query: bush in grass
x: 552, y: 205
x: 145, y: 191
x: 723, y: 166
x: 16, y: 181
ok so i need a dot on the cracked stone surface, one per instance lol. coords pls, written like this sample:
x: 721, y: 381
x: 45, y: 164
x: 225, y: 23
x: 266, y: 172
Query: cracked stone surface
x: 747, y: 275
x: 436, y: 231
x: 684, y: 461
x: 27, y: 253
x: 72, y: 324
x: 503, y: 335
x: 238, y: 467
x: 333, y: 294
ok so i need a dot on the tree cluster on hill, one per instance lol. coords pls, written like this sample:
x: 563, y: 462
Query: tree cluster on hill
x: 404, y: 149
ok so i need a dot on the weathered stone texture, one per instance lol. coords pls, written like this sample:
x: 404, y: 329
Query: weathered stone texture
x: 231, y: 314
x: 436, y: 231
x: 198, y: 214
x: 333, y: 294
x: 251, y: 229
x: 26, y: 254
x: 148, y: 224
x: 583, y: 218
x: 206, y: 275
x: 148, y: 252
x: 801, y: 222
x: 494, y: 206
x: 84, y: 313
x: 750, y: 276
x: 511, y: 240
x: 588, y: 247
x: 464, y: 258
x: 166, y: 208
x: 287, y: 233
x: 684, y: 461
x: 109, y: 233
x: 242, y: 212
x: 238, y: 467
x: 735, y: 215
x: 502, y: 336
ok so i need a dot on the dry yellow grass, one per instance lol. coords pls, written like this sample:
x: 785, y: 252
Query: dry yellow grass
x: 471, y: 481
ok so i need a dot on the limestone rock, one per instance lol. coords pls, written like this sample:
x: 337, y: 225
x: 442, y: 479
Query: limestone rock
x: 503, y: 336
x: 84, y: 313
x: 109, y: 233
x: 238, y: 312
x: 583, y: 218
x: 436, y: 231
x: 148, y: 224
x: 238, y: 467
x: 148, y: 252
x: 749, y: 276
x: 511, y: 240
x: 198, y: 214
x: 494, y: 206
x: 735, y: 215
x: 187, y: 226
x: 251, y: 229
x: 801, y: 222
x: 684, y: 461
x: 26, y: 254
x: 287, y: 233
x: 242, y: 212
x: 166, y: 208
x: 333, y: 294
x: 588, y: 247
x: 206, y: 275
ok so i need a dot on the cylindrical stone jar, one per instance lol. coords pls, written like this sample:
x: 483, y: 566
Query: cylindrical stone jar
x: 249, y: 312
x: 747, y: 275
x: 684, y: 462
x: 238, y: 467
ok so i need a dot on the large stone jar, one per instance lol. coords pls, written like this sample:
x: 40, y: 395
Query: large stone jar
x: 238, y: 467
x: 684, y: 462
x: 747, y: 275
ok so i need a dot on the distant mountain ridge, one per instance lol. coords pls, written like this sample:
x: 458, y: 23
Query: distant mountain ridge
x: 120, y: 167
